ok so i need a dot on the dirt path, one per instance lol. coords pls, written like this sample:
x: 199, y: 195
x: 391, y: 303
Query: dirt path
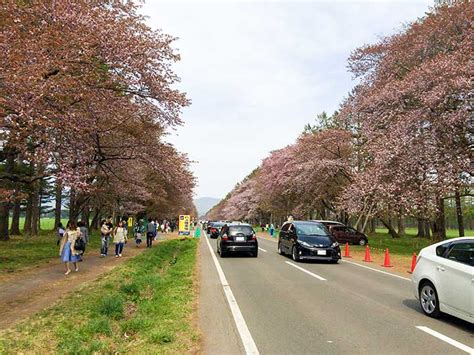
x: 34, y: 290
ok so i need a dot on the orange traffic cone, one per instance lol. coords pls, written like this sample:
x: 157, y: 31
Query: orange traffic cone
x: 367, y: 257
x: 413, y: 263
x: 386, y: 262
x: 347, y: 253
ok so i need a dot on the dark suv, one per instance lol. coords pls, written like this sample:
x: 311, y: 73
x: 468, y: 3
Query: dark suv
x: 308, y: 240
x: 235, y: 238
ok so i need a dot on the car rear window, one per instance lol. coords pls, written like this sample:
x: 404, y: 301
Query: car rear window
x: 246, y: 230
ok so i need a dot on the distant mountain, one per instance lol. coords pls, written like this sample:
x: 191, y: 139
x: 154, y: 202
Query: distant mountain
x: 204, y: 204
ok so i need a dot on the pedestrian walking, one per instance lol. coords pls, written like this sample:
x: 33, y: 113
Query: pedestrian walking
x: 84, y: 231
x: 67, y: 250
x: 150, y: 233
x: 138, y: 231
x: 120, y: 238
x: 105, y: 232
x: 272, y: 230
x: 60, y: 233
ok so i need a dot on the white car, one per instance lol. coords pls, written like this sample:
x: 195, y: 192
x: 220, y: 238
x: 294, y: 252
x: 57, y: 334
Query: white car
x: 443, y: 279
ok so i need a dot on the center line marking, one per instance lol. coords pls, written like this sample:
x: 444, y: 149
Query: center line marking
x: 446, y: 339
x: 244, y: 332
x: 306, y: 271
x: 262, y: 249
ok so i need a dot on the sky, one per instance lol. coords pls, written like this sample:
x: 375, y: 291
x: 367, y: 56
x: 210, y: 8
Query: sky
x: 258, y: 71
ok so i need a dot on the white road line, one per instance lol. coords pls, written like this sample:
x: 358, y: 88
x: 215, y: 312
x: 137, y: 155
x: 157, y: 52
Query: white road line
x: 306, y: 271
x: 262, y: 249
x: 382, y: 272
x: 247, y: 340
x: 447, y: 339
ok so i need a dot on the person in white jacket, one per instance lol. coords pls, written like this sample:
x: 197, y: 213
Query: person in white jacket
x: 120, y: 237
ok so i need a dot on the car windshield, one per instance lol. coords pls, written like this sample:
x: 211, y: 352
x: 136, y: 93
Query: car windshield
x: 246, y: 230
x: 310, y: 229
x: 217, y: 225
x: 321, y: 239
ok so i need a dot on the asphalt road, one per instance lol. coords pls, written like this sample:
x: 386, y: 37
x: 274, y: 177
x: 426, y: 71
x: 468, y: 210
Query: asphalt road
x: 316, y: 308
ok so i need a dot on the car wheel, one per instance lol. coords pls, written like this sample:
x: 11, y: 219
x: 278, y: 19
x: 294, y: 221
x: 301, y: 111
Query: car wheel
x: 334, y: 261
x: 294, y: 254
x: 429, y: 300
x: 222, y: 253
x: 255, y: 253
x: 280, y: 250
x: 362, y: 241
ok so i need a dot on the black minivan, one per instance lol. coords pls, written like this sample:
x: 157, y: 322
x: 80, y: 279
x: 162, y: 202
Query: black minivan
x: 237, y: 238
x: 306, y: 240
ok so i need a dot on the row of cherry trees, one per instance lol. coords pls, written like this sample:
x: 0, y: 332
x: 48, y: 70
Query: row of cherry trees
x: 400, y: 144
x: 86, y: 96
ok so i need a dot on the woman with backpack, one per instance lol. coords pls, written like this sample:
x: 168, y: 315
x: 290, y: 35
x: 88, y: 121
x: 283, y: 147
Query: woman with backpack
x: 67, y: 250
x: 120, y: 238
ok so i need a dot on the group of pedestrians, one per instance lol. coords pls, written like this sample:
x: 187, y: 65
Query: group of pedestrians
x: 73, y: 239
x: 118, y: 234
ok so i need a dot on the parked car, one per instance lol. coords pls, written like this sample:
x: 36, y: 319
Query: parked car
x: 214, y: 228
x: 237, y: 238
x: 308, y: 240
x: 443, y: 279
x: 345, y: 234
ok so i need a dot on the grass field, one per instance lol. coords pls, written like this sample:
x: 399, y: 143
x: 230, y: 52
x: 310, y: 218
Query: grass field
x: 143, y: 306
x: 22, y: 252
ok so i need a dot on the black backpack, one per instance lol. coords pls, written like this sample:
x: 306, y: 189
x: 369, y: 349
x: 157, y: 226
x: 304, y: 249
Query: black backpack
x: 80, y: 244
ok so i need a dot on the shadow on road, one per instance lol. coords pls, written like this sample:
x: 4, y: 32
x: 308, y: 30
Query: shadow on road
x: 446, y: 318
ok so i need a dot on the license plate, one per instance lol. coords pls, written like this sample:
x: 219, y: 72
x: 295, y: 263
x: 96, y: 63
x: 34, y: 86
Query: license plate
x: 321, y: 252
x: 240, y: 239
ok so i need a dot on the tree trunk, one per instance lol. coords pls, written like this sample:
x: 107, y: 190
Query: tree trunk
x: 28, y: 214
x: 5, y: 205
x: 421, y: 228
x: 73, y: 206
x: 35, y: 212
x: 459, y: 213
x: 391, y: 230
x: 58, y: 205
x: 439, y: 225
x: 401, y: 223
x: 95, y: 220
x: 426, y: 226
x: 4, y: 216
x: 15, y: 227
x: 86, y: 212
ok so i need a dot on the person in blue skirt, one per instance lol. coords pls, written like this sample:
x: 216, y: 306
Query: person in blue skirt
x: 66, y: 251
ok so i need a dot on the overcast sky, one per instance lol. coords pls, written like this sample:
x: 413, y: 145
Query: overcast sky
x: 257, y: 72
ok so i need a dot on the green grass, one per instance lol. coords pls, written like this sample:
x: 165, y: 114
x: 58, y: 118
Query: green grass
x: 143, y: 306
x: 22, y: 252
x: 47, y: 223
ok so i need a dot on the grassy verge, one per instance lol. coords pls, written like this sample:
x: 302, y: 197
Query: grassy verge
x: 143, y: 306
x: 22, y: 252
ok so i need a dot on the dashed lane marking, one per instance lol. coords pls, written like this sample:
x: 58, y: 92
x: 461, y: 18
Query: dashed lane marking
x: 262, y: 249
x: 306, y: 271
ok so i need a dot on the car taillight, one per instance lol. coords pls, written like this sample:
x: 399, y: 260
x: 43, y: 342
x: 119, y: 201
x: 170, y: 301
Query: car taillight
x: 213, y: 230
x: 225, y: 237
x: 254, y: 236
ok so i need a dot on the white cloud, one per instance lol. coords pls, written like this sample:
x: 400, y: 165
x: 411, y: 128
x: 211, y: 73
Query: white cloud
x: 256, y: 72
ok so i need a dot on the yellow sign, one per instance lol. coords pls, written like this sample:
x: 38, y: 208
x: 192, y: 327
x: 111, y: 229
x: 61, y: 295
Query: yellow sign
x: 130, y: 221
x: 184, y: 224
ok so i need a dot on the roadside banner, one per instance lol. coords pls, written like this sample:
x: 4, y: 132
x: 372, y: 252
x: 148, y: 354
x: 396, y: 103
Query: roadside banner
x: 130, y: 222
x: 184, y: 224
x: 197, y: 232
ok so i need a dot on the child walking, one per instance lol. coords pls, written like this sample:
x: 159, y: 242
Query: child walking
x: 120, y: 237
